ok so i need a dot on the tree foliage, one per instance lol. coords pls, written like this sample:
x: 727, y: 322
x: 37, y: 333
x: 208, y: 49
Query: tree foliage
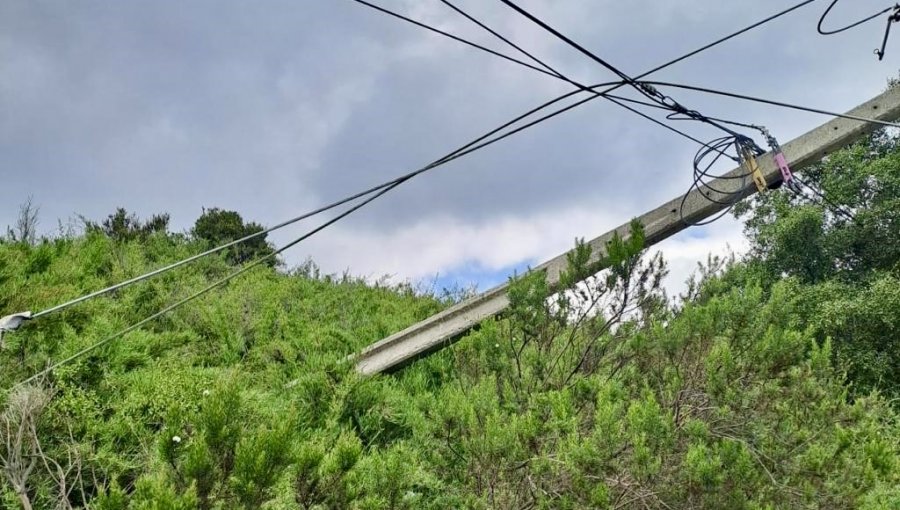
x: 216, y: 227
x: 122, y: 226
x: 848, y: 262
x: 25, y: 230
x: 591, y: 392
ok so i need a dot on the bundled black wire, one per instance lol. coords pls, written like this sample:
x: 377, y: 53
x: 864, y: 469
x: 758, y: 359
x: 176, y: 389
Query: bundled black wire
x: 703, y: 175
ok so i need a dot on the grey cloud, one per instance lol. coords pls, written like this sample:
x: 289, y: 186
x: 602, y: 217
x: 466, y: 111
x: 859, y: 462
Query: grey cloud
x: 272, y: 108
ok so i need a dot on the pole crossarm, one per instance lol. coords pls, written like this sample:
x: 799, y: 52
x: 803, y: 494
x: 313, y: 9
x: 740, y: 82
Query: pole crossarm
x: 444, y: 328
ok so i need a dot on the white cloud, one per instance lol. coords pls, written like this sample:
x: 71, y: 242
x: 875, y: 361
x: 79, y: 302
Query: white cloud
x: 444, y: 244
x: 683, y: 251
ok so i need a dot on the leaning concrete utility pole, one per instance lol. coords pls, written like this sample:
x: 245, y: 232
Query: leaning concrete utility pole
x: 444, y: 328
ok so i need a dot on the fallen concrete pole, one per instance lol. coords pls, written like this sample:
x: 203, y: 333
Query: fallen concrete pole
x: 444, y: 328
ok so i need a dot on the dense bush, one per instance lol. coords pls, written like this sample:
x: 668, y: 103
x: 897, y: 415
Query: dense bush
x: 216, y: 227
x: 845, y: 251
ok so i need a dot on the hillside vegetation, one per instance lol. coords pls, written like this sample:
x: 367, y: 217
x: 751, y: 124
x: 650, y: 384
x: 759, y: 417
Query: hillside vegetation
x: 771, y: 384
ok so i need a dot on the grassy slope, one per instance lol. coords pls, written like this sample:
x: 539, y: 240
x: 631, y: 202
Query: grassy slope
x: 726, y: 404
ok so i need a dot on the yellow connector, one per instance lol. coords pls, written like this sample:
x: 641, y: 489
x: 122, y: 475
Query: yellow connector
x: 748, y: 160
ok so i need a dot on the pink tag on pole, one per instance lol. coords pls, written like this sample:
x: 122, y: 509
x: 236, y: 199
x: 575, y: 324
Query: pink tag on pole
x: 786, y: 174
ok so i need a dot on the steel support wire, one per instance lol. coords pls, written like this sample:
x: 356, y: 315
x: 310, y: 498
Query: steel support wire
x: 203, y: 291
x: 481, y: 142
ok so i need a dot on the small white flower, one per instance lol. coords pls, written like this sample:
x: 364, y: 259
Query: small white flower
x: 205, y: 393
x: 497, y: 346
x: 176, y: 439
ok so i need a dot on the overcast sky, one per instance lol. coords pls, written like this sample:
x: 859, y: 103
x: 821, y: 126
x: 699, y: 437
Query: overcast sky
x: 273, y: 108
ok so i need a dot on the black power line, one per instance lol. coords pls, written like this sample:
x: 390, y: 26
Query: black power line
x: 617, y: 100
x: 847, y: 27
x: 451, y: 36
x: 627, y: 79
x: 548, y: 70
x: 504, y: 39
x: 771, y: 102
x: 893, y: 18
x: 648, y: 91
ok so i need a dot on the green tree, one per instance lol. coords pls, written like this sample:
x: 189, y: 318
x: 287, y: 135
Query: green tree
x: 123, y: 226
x: 844, y: 248
x: 217, y: 227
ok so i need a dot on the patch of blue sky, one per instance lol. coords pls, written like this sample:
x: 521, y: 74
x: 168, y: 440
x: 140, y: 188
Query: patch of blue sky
x: 473, y: 275
x: 694, y: 233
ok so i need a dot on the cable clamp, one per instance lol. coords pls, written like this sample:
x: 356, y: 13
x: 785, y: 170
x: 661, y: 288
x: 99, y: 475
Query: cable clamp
x: 650, y: 89
x: 787, y: 177
x: 893, y: 18
x: 748, y: 161
x: 12, y: 322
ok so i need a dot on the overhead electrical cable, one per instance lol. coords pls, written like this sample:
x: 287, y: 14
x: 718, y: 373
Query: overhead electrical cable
x: 476, y: 144
x: 773, y: 103
x: 660, y: 67
x: 204, y: 290
x: 496, y: 34
x: 553, y: 73
x: 648, y: 91
x: 451, y: 36
x: 736, y: 141
x: 567, y: 79
x: 852, y: 25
